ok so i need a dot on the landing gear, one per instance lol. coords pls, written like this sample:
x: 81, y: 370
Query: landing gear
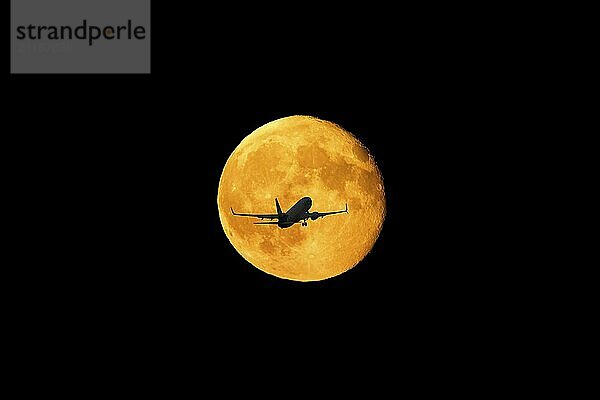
x: 304, y: 223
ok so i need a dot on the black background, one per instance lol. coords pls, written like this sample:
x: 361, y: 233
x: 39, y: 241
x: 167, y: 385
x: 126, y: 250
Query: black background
x: 123, y: 170
x: 112, y: 183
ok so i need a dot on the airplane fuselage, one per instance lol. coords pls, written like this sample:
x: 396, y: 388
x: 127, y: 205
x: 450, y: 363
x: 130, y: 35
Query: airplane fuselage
x: 296, y: 213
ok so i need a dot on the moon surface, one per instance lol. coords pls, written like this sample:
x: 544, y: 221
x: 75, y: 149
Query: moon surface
x: 291, y: 158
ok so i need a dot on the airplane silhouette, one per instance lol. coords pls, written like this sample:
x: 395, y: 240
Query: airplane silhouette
x: 298, y: 214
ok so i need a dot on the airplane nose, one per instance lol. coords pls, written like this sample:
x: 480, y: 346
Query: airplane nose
x: 308, y: 201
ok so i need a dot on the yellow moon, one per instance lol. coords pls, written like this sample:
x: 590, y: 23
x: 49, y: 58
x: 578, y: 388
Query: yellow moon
x: 291, y: 158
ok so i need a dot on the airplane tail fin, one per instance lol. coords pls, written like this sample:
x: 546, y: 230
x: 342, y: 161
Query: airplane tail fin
x: 279, y: 212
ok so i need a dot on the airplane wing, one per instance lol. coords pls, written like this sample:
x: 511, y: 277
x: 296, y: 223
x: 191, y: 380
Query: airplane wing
x: 321, y: 215
x: 262, y: 216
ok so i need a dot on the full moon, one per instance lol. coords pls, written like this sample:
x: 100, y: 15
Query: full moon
x: 291, y: 158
